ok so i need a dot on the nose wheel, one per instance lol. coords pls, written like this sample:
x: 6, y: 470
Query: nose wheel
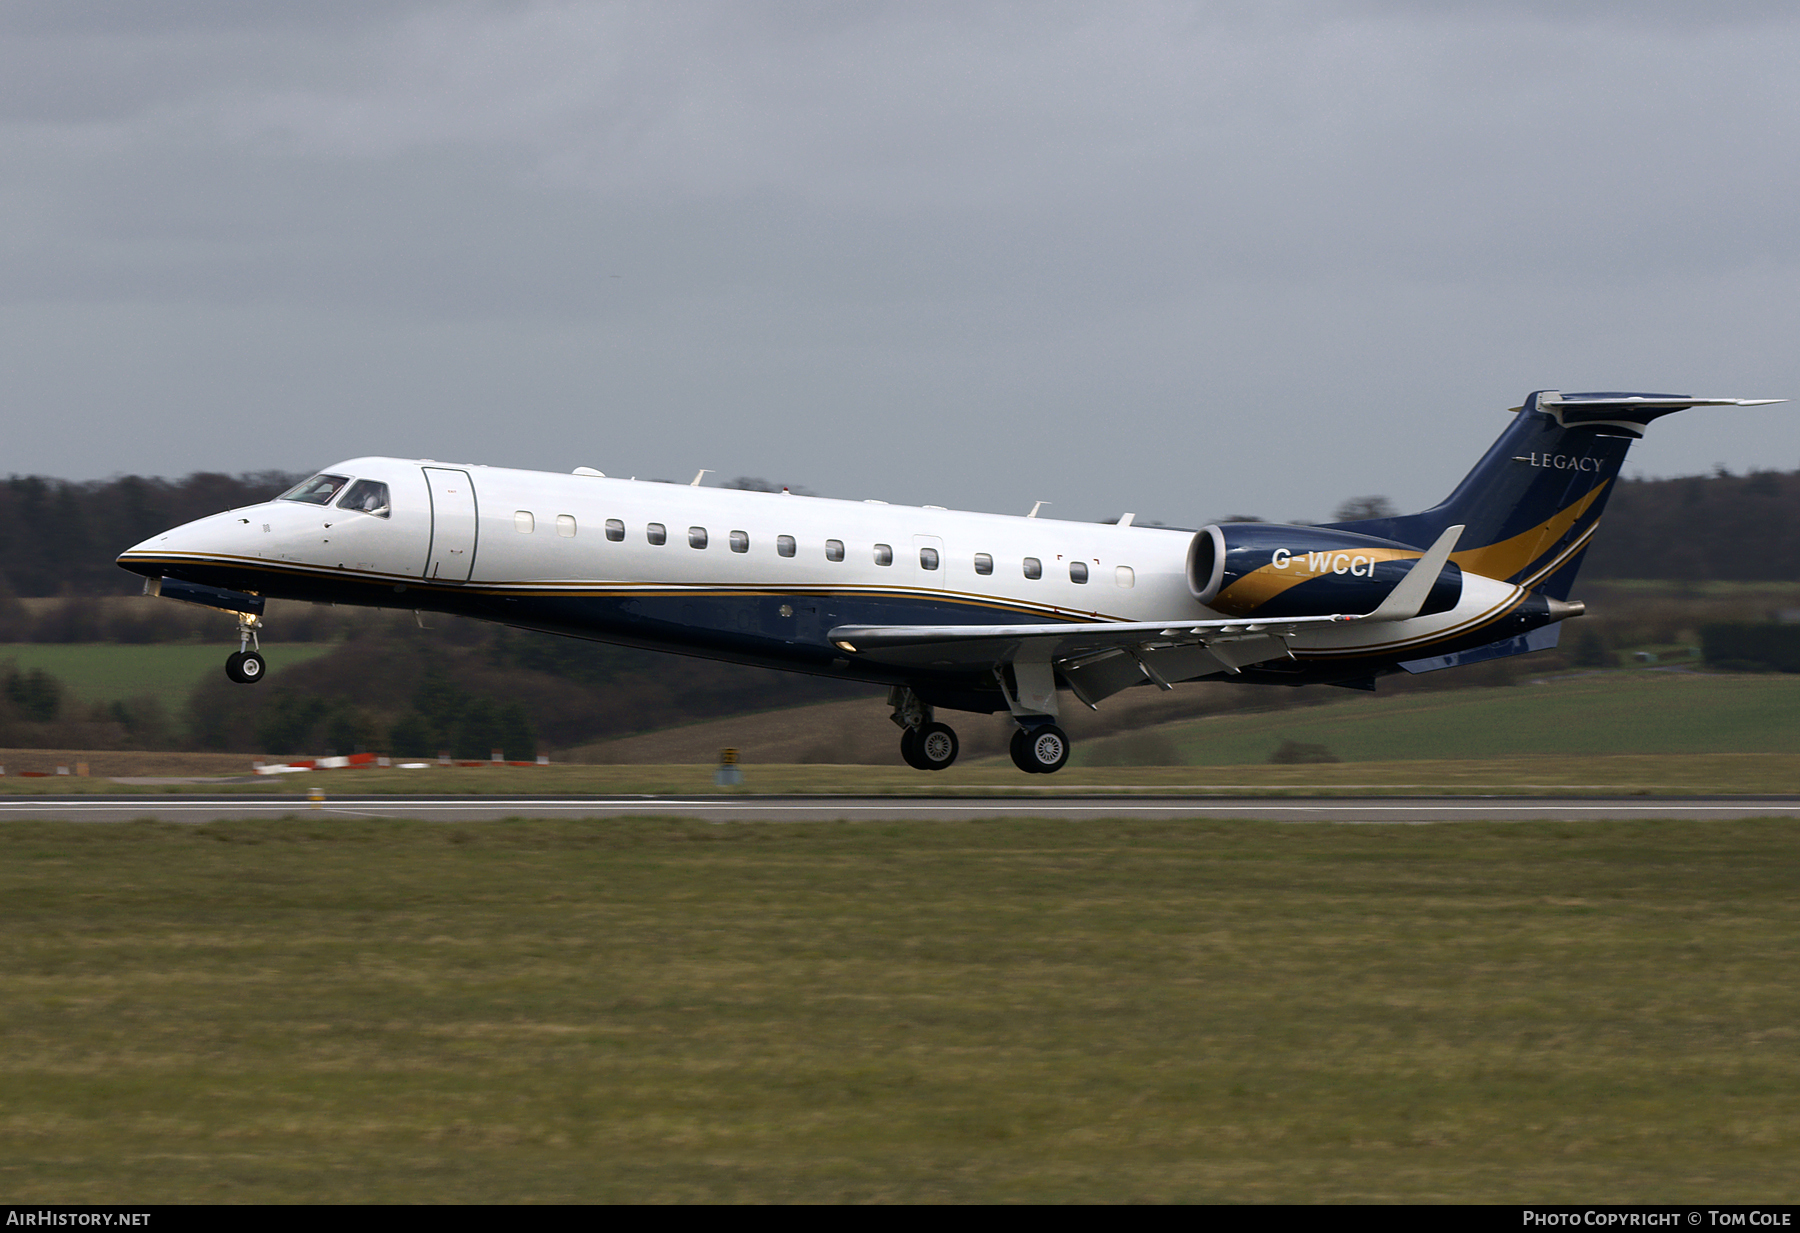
x: 246, y: 665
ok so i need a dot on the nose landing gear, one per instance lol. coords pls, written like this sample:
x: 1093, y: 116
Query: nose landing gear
x: 246, y: 665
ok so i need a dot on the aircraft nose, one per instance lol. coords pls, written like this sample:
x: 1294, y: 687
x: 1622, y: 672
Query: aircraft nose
x: 138, y: 557
x: 153, y: 557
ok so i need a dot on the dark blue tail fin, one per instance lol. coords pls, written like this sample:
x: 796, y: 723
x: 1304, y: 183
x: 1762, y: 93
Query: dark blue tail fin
x: 1532, y: 503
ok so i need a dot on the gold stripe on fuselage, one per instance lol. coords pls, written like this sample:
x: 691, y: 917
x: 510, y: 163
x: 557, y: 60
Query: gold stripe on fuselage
x: 1508, y: 557
x: 1479, y: 621
x: 1256, y: 588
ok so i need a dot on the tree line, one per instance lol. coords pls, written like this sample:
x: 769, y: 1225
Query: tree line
x: 465, y: 688
x: 59, y: 537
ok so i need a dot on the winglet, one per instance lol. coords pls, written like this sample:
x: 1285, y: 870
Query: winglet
x: 1404, y: 601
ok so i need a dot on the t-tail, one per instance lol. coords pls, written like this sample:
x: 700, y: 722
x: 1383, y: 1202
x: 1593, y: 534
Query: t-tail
x: 1531, y: 505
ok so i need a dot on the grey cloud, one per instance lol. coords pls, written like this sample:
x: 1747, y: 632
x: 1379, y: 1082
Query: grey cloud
x: 969, y: 233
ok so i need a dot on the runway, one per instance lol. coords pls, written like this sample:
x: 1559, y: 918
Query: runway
x: 201, y: 808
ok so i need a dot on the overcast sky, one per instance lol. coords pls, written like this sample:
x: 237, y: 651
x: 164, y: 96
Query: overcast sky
x: 1189, y: 260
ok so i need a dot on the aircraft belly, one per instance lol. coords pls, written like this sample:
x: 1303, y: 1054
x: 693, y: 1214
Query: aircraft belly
x: 1484, y: 605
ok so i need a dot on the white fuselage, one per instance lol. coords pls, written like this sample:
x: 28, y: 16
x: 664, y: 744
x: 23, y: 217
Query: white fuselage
x: 502, y: 543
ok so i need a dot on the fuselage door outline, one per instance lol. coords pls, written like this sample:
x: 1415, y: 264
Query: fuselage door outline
x: 455, y: 521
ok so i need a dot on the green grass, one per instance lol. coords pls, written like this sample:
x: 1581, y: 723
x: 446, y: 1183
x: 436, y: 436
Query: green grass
x: 110, y: 672
x: 1008, y: 1011
x: 1605, y: 714
x: 1689, y: 590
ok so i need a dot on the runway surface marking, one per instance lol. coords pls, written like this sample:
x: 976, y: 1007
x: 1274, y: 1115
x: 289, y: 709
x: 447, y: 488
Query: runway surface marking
x: 1346, y: 809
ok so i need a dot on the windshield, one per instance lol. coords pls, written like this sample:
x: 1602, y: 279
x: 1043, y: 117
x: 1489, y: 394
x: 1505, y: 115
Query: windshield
x: 316, y: 491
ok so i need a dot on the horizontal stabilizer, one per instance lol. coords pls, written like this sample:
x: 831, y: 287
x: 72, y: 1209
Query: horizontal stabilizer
x: 1630, y: 412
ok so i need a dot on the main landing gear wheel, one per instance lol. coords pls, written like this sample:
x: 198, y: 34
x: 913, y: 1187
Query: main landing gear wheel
x: 935, y: 746
x: 245, y: 667
x: 1040, y: 751
x: 932, y: 747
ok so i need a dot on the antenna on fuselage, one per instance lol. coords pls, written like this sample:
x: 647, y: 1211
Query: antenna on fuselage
x: 1035, y: 508
x: 703, y: 473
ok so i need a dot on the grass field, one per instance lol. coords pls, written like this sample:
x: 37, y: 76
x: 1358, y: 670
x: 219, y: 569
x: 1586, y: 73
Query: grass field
x: 1633, y: 731
x: 110, y: 672
x: 1008, y: 1011
x: 1603, y: 714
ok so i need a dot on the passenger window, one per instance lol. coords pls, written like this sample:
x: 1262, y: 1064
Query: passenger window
x: 368, y: 497
x: 1125, y: 577
x: 1034, y: 568
x: 615, y: 530
x: 565, y: 525
x: 884, y: 554
x: 928, y: 558
x: 1077, y: 571
x: 740, y: 541
x: 523, y: 522
x: 656, y: 533
x: 784, y: 545
x: 696, y: 537
x: 834, y: 550
x: 984, y: 563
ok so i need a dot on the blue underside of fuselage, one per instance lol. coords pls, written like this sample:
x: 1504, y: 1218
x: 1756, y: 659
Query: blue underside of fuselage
x: 751, y: 627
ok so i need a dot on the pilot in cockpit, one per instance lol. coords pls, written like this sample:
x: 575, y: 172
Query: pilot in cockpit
x: 369, y: 496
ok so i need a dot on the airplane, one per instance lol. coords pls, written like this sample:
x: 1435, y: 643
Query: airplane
x: 952, y: 611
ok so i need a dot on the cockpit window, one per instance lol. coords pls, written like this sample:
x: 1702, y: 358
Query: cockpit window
x: 369, y: 496
x: 316, y: 491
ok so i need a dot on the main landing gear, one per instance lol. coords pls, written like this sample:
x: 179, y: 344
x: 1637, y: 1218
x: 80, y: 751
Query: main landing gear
x: 929, y: 748
x: 246, y: 665
x: 924, y: 743
x: 1039, y: 747
x: 1040, y: 750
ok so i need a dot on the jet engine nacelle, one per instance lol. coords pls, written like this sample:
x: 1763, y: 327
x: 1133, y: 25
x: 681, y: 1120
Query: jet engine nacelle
x: 1264, y: 569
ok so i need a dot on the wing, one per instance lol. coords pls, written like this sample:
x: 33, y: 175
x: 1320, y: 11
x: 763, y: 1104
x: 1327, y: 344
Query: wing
x: 1096, y: 660
x: 1099, y: 658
